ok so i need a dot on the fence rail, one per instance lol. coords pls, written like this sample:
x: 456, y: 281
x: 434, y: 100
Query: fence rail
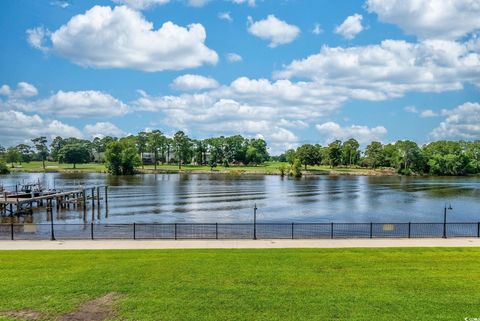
x: 178, y: 231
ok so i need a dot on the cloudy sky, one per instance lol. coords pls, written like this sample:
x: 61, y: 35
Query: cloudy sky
x: 290, y: 71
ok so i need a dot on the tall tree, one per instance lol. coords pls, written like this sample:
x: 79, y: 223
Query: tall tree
x: 181, y: 144
x: 335, y: 153
x: 350, y: 152
x: 374, y: 154
x: 40, y: 144
x: 55, y: 146
x: 142, y: 139
x: 154, y: 143
x: 25, y: 152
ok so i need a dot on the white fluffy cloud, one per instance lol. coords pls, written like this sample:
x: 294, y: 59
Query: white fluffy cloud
x: 278, y: 32
x: 350, y: 27
x: 17, y: 127
x: 120, y: 37
x: 70, y: 104
x: 363, y: 134
x: 141, y: 4
x: 193, y: 82
x: 391, y: 69
x: 462, y: 122
x: 23, y: 90
x: 102, y: 129
x: 444, y: 19
x: 233, y: 57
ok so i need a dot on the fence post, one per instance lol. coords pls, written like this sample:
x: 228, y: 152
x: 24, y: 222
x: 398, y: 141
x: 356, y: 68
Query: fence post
x: 216, y: 231
x: 293, y: 224
x: 409, y: 229
x: 52, y: 233
x: 371, y: 229
x: 175, y: 230
x: 11, y: 230
x: 134, y: 231
x: 91, y: 230
x: 478, y: 229
x: 331, y: 230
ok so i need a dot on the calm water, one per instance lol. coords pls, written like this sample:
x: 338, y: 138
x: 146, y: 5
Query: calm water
x: 167, y: 198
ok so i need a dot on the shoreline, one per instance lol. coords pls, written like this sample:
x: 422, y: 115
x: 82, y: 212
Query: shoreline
x: 233, y: 172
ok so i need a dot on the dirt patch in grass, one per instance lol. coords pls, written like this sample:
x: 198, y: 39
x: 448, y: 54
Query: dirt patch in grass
x: 23, y: 314
x: 95, y: 310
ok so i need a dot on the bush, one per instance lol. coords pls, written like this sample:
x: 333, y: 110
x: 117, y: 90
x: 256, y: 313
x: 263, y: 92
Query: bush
x: 296, y: 168
x: 3, y: 167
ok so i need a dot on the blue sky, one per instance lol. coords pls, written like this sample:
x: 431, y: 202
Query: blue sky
x: 305, y: 71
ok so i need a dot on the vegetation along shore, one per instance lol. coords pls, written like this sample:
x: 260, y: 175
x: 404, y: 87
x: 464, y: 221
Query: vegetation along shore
x: 154, y: 152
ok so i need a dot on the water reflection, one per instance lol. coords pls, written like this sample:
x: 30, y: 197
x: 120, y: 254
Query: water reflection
x: 230, y: 198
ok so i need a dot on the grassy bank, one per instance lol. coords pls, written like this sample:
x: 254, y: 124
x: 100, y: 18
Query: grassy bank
x: 313, y: 284
x: 269, y: 168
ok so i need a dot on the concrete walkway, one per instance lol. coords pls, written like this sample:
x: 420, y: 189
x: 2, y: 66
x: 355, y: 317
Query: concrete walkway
x: 234, y: 244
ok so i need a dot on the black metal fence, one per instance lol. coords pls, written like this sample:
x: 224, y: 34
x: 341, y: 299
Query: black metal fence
x: 178, y: 231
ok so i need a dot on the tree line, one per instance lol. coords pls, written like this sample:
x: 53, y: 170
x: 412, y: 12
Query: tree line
x: 123, y: 155
x: 405, y: 156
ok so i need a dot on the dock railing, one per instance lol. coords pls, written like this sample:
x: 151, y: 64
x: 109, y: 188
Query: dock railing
x: 219, y: 231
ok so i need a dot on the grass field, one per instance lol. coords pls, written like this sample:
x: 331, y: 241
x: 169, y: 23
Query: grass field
x: 267, y: 168
x: 291, y: 284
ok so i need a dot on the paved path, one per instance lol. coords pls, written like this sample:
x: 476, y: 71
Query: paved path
x: 234, y: 244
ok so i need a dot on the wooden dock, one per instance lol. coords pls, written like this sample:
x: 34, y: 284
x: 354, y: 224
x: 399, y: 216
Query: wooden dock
x: 15, y: 204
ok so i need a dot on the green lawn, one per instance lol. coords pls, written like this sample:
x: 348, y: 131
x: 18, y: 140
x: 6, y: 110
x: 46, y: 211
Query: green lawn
x: 281, y: 284
x: 267, y: 168
x: 56, y: 167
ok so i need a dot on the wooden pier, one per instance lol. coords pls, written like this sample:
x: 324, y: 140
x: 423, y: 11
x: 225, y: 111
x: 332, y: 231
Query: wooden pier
x: 16, y: 204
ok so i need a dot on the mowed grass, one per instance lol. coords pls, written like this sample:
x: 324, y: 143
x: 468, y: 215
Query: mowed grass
x: 266, y: 168
x: 270, y: 284
x: 34, y: 167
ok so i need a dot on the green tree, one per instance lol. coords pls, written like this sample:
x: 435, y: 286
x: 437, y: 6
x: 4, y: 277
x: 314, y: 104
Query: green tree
x: 40, y: 144
x: 76, y: 153
x: 374, y: 155
x: 142, y: 139
x: 350, y: 152
x: 155, y: 141
x: 290, y: 156
x: 258, y: 151
x: 12, y: 156
x: 411, y: 157
x: 308, y: 155
x: 335, y: 153
x: 25, y: 152
x: 55, y: 146
x: 122, y: 157
x: 181, y: 145
x: 254, y: 156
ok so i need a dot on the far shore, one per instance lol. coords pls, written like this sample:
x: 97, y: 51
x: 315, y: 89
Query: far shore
x: 269, y: 168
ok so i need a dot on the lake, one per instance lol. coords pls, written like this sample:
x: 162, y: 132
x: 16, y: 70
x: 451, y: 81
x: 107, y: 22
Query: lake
x: 167, y: 198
